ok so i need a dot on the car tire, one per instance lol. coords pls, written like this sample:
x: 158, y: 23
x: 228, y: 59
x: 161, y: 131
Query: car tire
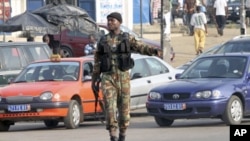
x: 163, y: 122
x: 51, y: 123
x: 4, y: 126
x: 73, y: 118
x: 67, y: 52
x: 234, y: 111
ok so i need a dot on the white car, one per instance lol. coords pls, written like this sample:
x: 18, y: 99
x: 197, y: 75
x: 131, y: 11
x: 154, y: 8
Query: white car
x: 147, y: 73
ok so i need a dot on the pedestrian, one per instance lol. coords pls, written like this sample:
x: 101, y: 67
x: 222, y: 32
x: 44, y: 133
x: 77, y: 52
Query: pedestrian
x: 53, y: 44
x: 112, y: 63
x: 199, y: 23
x: 91, y: 46
x: 220, y: 15
x: 189, y: 8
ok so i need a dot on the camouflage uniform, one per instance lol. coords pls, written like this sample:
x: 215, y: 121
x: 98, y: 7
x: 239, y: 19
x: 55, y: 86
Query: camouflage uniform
x: 116, y: 83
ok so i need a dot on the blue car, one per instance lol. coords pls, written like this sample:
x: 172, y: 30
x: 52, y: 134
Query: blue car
x: 213, y: 86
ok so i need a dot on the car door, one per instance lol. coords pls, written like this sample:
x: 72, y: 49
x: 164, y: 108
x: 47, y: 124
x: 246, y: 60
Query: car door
x: 156, y: 72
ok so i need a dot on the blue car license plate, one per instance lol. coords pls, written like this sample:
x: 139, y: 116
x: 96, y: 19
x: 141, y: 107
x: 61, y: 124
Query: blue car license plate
x: 175, y: 106
x: 19, y: 108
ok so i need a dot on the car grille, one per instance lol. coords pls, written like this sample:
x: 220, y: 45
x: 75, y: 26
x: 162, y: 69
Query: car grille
x: 181, y: 96
x: 19, y: 99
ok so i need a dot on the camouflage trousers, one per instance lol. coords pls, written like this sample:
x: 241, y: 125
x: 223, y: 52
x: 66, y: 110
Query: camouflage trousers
x: 116, y: 92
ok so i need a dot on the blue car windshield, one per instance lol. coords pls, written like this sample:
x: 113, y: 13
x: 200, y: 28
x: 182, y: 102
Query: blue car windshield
x: 216, y: 67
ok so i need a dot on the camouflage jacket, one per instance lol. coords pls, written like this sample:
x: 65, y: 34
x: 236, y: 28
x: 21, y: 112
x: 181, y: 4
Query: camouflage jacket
x: 136, y: 46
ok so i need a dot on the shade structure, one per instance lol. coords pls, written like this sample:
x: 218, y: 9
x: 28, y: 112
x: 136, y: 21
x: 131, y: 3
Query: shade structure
x: 30, y: 22
x: 69, y: 16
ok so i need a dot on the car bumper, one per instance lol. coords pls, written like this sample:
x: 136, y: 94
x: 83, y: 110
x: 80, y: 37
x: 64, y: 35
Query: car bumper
x: 198, y: 109
x: 35, y: 111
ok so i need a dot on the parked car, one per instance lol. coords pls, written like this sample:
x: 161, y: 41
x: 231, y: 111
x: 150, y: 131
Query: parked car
x: 234, y: 10
x: 14, y: 56
x: 73, y: 42
x: 49, y: 91
x: 239, y: 43
x: 214, y: 86
x: 148, y: 72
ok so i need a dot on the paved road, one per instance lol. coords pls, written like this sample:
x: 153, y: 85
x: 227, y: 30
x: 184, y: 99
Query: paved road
x: 142, y: 128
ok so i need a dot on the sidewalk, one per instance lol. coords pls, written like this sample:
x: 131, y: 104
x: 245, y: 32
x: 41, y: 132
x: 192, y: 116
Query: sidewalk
x: 184, y: 45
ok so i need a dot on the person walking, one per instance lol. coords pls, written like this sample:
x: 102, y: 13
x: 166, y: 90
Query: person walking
x: 189, y: 8
x: 220, y: 15
x: 112, y: 61
x: 199, y: 23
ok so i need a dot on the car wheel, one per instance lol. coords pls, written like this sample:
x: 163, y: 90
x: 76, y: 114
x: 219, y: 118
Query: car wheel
x: 51, y: 123
x: 234, y: 112
x: 73, y: 118
x: 4, y: 126
x: 162, y: 122
x: 67, y: 52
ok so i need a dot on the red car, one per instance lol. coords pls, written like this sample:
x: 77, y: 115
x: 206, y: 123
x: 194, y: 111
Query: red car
x: 73, y: 42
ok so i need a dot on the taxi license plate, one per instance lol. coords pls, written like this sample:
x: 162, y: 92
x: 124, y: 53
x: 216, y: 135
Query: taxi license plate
x: 175, y: 106
x: 19, y: 108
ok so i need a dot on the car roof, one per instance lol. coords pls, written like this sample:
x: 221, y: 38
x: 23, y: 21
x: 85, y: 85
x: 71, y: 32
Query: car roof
x: 20, y: 43
x: 246, y: 54
x: 133, y: 55
x: 79, y: 59
x: 240, y: 38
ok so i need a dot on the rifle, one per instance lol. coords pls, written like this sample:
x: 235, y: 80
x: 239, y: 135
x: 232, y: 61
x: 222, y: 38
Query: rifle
x: 95, y: 88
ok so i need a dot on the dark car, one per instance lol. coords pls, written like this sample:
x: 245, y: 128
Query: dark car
x: 215, y: 86
x: 74, y: 42
x: 233, y: 10
x: 14, y: 56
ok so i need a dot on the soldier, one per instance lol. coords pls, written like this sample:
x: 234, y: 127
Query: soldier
x: 113, y: 60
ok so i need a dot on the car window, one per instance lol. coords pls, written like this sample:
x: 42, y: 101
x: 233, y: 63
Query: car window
x: 234, y: 47
x: 140, y: 69
x: 77, y: 34
x: 50, y: 71
x: 156, y: 67
x: 216, y: 67
x: 37, y: 52
x: 12, y: 58
x: 88, y: 70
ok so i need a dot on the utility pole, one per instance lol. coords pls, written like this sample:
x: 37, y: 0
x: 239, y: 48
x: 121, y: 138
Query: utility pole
x: 243, y: 30
x: 165, y: 44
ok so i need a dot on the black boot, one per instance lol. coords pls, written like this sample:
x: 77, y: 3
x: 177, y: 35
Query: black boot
x: 113, y: 138
x: 121, y: 138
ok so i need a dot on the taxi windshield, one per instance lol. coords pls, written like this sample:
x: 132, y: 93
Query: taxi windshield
x: 50, y: 71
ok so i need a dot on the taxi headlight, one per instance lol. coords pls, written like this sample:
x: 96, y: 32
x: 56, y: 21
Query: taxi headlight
x: 46, y: 96
x: 154, y: 96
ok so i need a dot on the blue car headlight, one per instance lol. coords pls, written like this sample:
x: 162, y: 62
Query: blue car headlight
x: 154, y: 96
x: 208, y: 94
x: 46, y: 96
